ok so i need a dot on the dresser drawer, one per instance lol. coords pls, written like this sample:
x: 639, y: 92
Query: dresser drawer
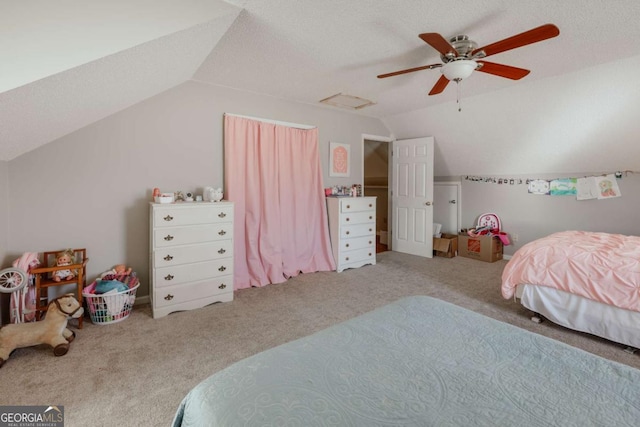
x: 357, y: 255
x: 171, y: 295
x: 357, y: 204
x: 173, y: 236
x: 357, y: 243
x: 357, y: 230
x: 191, y: 215
x: 174, y: 275
x: 357, y: 218
x: 175, y: 255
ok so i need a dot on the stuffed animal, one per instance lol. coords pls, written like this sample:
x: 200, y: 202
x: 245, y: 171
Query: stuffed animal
x: 63, y: 258
x: 118, y: 270
x: 52, y: 330
x: 217, y: 195
x: 211, y: 194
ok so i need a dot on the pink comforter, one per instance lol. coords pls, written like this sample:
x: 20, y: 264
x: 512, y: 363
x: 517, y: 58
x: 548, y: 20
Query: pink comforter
x: 599, y: 266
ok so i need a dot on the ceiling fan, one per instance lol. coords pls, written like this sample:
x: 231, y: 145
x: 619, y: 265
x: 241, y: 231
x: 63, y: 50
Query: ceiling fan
x: 461, y: 56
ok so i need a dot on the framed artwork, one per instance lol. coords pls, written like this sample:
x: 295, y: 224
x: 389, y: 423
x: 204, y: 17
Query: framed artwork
x: 339, y: 159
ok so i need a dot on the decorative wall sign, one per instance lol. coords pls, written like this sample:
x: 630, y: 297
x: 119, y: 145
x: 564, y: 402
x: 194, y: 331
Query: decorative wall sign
x: 339, y: 159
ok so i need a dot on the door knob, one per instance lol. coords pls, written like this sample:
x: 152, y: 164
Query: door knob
x: 428, y: 203
x: 453, y: 202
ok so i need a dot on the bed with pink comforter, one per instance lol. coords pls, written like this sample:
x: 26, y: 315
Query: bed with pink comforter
x: 585, y: 281
x: 598, y: 266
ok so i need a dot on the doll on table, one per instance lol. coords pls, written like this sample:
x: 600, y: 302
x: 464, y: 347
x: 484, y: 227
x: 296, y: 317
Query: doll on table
x: 63, y: 258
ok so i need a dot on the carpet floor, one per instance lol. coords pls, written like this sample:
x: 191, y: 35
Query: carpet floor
x: 137, y: 371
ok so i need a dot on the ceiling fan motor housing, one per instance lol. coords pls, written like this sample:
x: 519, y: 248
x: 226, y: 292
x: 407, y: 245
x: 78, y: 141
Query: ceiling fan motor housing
x: 463, y: 45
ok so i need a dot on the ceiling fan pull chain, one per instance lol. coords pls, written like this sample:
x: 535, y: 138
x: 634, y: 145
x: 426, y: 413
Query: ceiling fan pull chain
x: 458, y: 95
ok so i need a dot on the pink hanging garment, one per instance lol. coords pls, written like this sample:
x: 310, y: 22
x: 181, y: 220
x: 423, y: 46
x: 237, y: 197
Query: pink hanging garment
x: 23, y: 302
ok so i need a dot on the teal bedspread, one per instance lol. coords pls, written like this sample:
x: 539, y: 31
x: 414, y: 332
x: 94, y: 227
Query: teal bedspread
x: 418, y: 362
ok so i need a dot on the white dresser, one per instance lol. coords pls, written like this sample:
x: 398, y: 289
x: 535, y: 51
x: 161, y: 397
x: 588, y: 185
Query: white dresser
x: 191, y: 255
x: 352, y: 225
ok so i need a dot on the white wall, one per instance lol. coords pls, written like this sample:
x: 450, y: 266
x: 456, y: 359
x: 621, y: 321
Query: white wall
x: 91, y: 188
x: 533, y: 216
x: 557, y: 127
x: 4, y: 211
x: 4, y: 230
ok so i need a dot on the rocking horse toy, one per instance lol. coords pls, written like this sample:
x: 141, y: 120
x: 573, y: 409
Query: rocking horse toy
x: 52, y: 330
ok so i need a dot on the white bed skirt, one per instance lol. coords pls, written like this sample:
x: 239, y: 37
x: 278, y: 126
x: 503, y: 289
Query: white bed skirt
x: 582, y: 314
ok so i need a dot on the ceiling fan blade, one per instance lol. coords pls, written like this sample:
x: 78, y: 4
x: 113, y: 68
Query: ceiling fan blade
x: 513, y: 73
x: 535, y: 35
x: 439, y: 86
x: 409, y: 70
x: 439, y: 43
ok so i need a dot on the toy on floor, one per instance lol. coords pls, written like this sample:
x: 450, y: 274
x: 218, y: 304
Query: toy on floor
x: 52, y: 330
x: 64, y: 258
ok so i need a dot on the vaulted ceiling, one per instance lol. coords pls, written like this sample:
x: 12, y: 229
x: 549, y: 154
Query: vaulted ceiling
x: 68, y: 63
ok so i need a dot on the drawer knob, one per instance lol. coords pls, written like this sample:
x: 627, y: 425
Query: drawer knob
x: 168, y: 237
x: 169, y: 297
x: 222, y: 214
x: 168, y: 258
x: 346, y: 259
x: 370, y: 217
x: 370, y: 242
x: 348, y: 206
x: 347, y: 232
x: 168, y: 218
x: 222, y: 286
x: 347, y: 218
x: 370, y: 230
x: 222, y: 232
x: 221, y: 251
x: 222, y: 268
x: 168, y: 277
x: 369, y: 253
x: 370, y: 205
x: 346, y: 246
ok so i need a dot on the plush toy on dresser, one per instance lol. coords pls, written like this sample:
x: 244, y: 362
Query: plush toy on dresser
x: 52, y: 330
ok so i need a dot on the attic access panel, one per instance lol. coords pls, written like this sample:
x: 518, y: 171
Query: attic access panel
x: 347, y: 101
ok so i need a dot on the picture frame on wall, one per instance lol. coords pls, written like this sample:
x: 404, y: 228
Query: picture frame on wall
x: 339, y: 159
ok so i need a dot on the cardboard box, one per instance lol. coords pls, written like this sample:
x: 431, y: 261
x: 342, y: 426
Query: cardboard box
x: 446, y: 245
x: 482, y: 248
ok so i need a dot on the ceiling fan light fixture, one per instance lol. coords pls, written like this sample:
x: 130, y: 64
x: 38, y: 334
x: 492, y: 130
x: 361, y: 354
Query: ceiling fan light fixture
x: 459, y: 69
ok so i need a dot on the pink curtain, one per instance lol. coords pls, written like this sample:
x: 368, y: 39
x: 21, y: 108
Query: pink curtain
x: 273, y: 175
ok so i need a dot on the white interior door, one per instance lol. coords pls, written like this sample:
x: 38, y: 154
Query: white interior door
x: 446, y: 206
x: 412, y: 196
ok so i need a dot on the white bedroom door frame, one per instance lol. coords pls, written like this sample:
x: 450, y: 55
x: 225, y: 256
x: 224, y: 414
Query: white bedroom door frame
x: 389, y: 178
x: 412, y: 196
x: 446, y: 205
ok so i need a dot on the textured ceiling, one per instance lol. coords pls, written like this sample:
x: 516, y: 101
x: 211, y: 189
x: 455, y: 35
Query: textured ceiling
x: 308, y: 50
x: 69, y: 63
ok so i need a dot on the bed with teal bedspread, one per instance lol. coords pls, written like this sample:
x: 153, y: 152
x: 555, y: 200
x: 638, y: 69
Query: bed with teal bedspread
x: 418, y: 361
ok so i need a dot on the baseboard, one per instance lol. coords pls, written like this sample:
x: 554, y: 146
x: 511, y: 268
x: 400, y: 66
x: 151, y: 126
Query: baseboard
x: 142, y: 300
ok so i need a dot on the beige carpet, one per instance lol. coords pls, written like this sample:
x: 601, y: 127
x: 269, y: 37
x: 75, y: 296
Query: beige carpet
x: 136, y: 372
